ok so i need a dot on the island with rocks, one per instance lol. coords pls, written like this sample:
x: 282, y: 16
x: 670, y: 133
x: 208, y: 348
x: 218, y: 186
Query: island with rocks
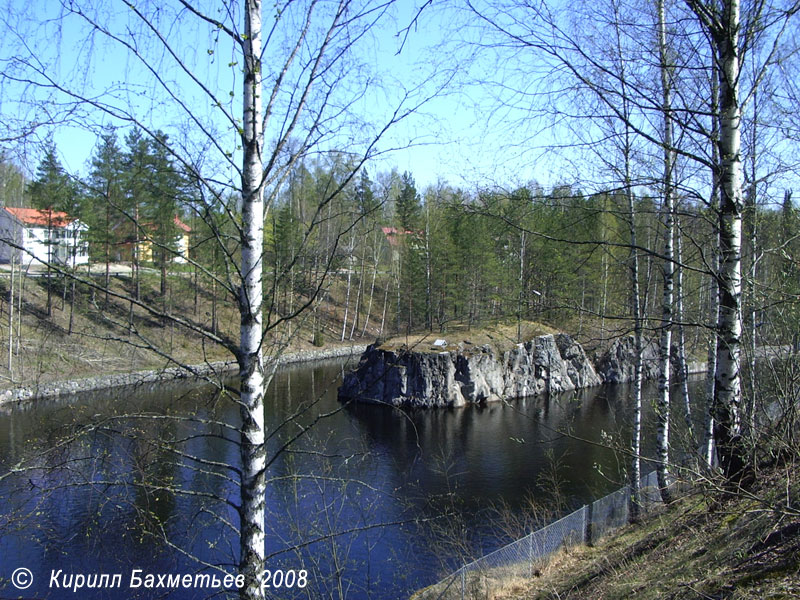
x: 436, y: 375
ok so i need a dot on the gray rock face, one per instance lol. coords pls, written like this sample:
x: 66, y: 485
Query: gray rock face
x: 422, y: 379
x: 618, y: 363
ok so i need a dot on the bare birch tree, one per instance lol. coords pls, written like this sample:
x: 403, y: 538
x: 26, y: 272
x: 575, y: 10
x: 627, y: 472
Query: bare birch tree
x: 300, y: 86
x: 667, y: 209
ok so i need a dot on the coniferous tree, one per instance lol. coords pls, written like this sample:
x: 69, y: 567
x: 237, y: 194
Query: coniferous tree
x: 52, y: 191
x: 104, y: 199
x: 166, y: 196
x: 52, y: 188
x: 407, y: 206
x: 136, y: 167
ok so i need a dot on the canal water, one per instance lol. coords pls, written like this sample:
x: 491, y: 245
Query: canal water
x: 362, y: 501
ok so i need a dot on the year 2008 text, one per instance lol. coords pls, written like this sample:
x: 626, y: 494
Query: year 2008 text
x: 285, y: 579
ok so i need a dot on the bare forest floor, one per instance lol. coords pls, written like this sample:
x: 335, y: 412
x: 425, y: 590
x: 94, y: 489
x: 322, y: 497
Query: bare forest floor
x: 710, y: 544
x: 100, y: 334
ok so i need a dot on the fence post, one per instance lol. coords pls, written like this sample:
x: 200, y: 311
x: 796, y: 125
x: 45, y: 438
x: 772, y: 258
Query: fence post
x: 588, y: 515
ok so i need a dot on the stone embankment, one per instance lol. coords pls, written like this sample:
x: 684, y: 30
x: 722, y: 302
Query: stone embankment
x: 546, y: 364
x: 212, y: 370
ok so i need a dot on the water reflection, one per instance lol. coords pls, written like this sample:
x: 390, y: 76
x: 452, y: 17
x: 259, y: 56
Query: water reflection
x: 146, y: 479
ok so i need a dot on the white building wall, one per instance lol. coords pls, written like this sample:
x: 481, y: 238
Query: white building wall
x: 34, y: 239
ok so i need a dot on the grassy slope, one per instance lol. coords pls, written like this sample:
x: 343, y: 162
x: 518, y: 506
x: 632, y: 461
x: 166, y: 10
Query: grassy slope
x: 702, y: 547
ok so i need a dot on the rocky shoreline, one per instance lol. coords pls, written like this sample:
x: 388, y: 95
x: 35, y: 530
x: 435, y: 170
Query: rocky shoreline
x: 435, y: 377
x: 193, y: 372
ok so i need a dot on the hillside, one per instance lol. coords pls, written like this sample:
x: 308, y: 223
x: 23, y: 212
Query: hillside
x: 707, y: 545
x: 106, y: 335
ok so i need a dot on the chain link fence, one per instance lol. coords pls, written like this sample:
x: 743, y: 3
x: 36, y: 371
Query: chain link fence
x: 521, y: 559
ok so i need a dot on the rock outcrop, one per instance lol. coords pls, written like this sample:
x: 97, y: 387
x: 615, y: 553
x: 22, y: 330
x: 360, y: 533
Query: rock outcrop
x: 400, y: 377
x: 618, y: 363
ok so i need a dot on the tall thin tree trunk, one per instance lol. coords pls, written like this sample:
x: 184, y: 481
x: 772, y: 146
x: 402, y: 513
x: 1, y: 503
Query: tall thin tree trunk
x: 707, y: 447
x: 11, y: 322
x: 359, y: 291
x: 383, y: 314
x: 72, y: 291
x: 683, y: 367
x: 253, y: 452
x: 428, y: 290
x: 371, y: 294
x: 135, y: 266
x: 20, y: 294
x: 634, y: 508
x: 635, y: 474
x: 663, y: 404
x: 49, y: 262
x: 107, y: 241
x: 752, y: 236
x: 347, y: 294
x: 727, y: 385
x: 521, y: 281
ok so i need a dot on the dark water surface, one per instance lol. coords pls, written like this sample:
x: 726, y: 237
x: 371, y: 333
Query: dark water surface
x: 146, y: 479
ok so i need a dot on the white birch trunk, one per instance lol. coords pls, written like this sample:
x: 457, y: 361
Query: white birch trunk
x: 359, y: 291
x: 520, y: 297
x: 383, y: 314
x: 752, y: 235
x: 634, y: 477
x: 371, y: 293
x: 428, y: 299
x: 347, y: 296
x: 727, y: 380
x: 683, y: 367
x: 251, y: 364
x: 11, y: 323
x: 707, y: 442
x: 663, y: 403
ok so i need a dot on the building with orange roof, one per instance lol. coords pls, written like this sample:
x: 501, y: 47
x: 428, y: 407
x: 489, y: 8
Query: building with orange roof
x: 42, y: 236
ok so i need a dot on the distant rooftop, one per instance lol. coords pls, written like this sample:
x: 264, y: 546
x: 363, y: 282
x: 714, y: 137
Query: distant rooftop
x: 181, y: 225
x: 41, y: 218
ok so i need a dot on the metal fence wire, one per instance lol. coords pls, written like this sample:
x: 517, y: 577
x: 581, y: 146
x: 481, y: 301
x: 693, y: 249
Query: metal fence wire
x: 482, y: 578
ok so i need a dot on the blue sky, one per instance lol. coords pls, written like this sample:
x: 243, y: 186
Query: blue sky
x: 448, y: 137
x: 482, y: 126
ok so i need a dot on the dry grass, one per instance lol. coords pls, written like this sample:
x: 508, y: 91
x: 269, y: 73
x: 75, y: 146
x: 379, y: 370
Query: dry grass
x: 709, y: 545
x: 500, y: 336
x: 703, y: 547
x: 103, y: 340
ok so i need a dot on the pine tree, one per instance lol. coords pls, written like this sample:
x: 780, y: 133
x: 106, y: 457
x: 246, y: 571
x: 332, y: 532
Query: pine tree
x: 407, y: 206
x: 53, y: 189
x: 102, y: 210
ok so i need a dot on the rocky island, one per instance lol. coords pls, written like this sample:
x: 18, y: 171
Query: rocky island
x: 437, y: 377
